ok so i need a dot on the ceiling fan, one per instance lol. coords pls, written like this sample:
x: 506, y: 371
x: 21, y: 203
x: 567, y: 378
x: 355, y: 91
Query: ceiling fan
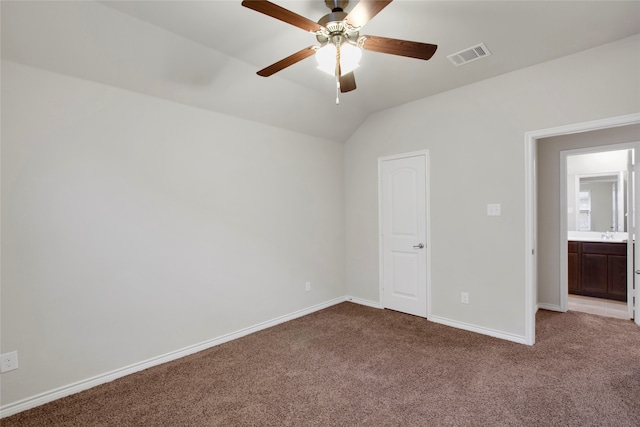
x: 340, y: 41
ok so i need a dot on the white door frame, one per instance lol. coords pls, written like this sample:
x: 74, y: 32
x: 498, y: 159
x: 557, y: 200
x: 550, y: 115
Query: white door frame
x: 427, y: 242
x: 530, y: 203
x: 564, y: 229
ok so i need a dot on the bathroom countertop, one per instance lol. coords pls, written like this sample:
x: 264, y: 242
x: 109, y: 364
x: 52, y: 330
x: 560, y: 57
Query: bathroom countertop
x: 596, y: 240
x: 597, y: 236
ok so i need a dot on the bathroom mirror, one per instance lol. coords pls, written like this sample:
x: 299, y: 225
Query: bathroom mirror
x: 596, y: 192
x: 600, y: 204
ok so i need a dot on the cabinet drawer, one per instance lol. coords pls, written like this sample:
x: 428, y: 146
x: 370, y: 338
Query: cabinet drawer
x: 604, y: 248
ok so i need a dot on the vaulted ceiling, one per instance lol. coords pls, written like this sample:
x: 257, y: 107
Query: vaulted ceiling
x: 206, y: 53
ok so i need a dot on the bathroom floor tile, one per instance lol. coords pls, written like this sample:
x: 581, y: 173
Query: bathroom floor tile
x: 598, y: 306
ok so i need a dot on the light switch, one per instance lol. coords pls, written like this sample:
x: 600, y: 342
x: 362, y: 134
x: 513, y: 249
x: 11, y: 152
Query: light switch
x: 493, y: 209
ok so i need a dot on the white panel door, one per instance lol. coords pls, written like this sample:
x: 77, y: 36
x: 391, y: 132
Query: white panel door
x: 404, y: 224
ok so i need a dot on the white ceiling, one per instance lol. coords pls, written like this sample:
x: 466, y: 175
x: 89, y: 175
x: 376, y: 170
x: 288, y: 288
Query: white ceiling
x: 232, y: 43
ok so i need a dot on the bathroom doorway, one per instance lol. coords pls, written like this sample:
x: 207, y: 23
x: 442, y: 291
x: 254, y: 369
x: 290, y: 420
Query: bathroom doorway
x: 597, y: 200
x: 544, y: 242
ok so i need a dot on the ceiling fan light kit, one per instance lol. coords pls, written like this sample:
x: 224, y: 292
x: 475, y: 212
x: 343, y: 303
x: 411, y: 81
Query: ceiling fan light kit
x: 349, y: 58
x: 341, y: 45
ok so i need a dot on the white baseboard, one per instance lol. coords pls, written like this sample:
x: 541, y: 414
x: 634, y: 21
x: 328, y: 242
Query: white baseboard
x: 51, y: 395
x: 453, y: 323
x: 521, y: 339
x: 361, y: 301
x: 552, y: 307
x: 60, y: 392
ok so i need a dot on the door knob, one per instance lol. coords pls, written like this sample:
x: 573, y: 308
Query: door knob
x: 637, y: 271
x: 420, y: 246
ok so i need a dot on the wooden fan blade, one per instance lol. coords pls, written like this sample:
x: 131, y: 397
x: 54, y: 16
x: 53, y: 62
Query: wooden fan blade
x: 284, y: 15
x: 347, y: 82
x: 288, y: 61
x: 398, y: 47
x: 365, y: 10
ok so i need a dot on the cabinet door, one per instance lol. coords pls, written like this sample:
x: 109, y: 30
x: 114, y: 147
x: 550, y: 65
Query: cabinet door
x: 574, y: 284
x: 618, y: 277
x: 594, y: 273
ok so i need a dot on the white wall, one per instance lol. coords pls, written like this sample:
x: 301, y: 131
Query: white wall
x: 475, y: 135
x: 601, y: 162
x: 134, y: 226
x: 91, y: 41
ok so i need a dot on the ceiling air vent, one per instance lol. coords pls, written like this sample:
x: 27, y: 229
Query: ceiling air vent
x: 469, y: 55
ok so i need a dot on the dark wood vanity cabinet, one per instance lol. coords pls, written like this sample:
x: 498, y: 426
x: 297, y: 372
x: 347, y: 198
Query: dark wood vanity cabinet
x: 598, y: 269
x: 573, y: 268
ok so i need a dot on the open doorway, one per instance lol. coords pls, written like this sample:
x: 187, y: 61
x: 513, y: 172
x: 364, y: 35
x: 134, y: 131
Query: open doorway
x: 596, y: 210
x: 543, y: 239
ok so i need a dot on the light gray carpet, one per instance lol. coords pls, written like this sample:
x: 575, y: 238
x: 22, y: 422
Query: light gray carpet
x: 350, y: 365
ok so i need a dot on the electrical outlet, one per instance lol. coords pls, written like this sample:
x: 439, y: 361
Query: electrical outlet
x: 9, y: 361
x: 307, y: 286
x: 464, y: 297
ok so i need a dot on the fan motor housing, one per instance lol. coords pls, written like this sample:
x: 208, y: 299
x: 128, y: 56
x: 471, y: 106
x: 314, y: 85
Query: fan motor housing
x: 336, y: 25
x: 336, y: 4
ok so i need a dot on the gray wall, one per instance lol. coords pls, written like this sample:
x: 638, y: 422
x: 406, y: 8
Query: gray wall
x: 548, y: 186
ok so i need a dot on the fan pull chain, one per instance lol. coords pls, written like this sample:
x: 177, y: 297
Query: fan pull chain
x: 338, y: 74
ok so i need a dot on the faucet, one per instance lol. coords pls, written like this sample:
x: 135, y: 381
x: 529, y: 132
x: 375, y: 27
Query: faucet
x: 608, y: 235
